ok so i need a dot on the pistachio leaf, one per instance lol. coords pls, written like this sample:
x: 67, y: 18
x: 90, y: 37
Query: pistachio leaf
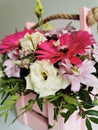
x: 92, y: 112
x: 94, y: 120
x: 88, y: 125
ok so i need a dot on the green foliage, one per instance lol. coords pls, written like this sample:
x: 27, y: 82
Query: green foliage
x: 68, y: 113
x: 88, y: 125
x: 94, y: 120
x: 90, y: 116
x: 40, y: 103
x: 63, y: 99
x: 70, y: 101
x: 50, y: 126
x: 91, y: 112
x: 9, y: 87
x: 82, y: 101
x: 85, y: 97
x: 7, y: 105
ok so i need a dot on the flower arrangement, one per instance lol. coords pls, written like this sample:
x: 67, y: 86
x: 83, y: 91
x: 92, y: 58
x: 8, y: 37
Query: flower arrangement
x: 60, y: 66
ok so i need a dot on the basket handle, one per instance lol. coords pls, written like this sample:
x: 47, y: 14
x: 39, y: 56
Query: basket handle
x: 91, y: 18
x: 57, y: 16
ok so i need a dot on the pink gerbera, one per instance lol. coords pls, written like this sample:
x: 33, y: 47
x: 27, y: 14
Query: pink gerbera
x: 69, y: 47
x: 12, y: 41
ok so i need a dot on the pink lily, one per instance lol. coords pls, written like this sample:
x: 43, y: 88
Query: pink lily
x: 79, y: 74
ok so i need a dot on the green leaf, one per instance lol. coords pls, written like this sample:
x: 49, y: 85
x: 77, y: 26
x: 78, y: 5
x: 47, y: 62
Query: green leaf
x: 9, y: 102
x: 40, y: 103
x: 95, y: 98
x: 2, y: 114
x: 4, y: 98
x: 53, y: 98
x: 92, y: 112
x: 15, y: 118
x: 12, y: 89
x: 71, y: 100
x: 67, y: 114
x: 88, y: 124
x: 83, y: 114
x: 96, y: 95
x: 56, y: 111
x: 5, y: 107
x: 94, y: 120
x: 96, y: 102
x: 88, y: 105
x: 50, y: 126
x: 90, y: 89
x: 15, y: 97
x: 6, y: 117
x: 69, y: 106
x: 84, y: 96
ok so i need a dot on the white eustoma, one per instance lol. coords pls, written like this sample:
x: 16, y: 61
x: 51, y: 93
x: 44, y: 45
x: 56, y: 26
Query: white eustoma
x: 44, y: 79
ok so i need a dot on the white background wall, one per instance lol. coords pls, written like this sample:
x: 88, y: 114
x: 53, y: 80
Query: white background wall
x: 15, y: 13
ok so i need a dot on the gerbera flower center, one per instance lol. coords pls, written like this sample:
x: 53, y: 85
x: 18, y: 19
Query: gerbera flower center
x: 56, y: 44
x: 64, y: 48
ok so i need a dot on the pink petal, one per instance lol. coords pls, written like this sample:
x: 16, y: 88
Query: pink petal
x: 75, y: 60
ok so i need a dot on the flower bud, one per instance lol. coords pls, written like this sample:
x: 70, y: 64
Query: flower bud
x: 38, y: 8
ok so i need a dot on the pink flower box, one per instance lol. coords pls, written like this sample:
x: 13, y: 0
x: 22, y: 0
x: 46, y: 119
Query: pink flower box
x: 39, y: 120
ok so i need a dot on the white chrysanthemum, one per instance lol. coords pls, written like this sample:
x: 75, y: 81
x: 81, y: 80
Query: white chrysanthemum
x: 37, y: 38
x: 44, y: 79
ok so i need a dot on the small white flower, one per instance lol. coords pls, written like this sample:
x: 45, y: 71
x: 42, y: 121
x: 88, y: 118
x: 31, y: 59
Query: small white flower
x: 30, y: 42
x: 37, y: 38
x: 44, y: 79
x: 26, y: 43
